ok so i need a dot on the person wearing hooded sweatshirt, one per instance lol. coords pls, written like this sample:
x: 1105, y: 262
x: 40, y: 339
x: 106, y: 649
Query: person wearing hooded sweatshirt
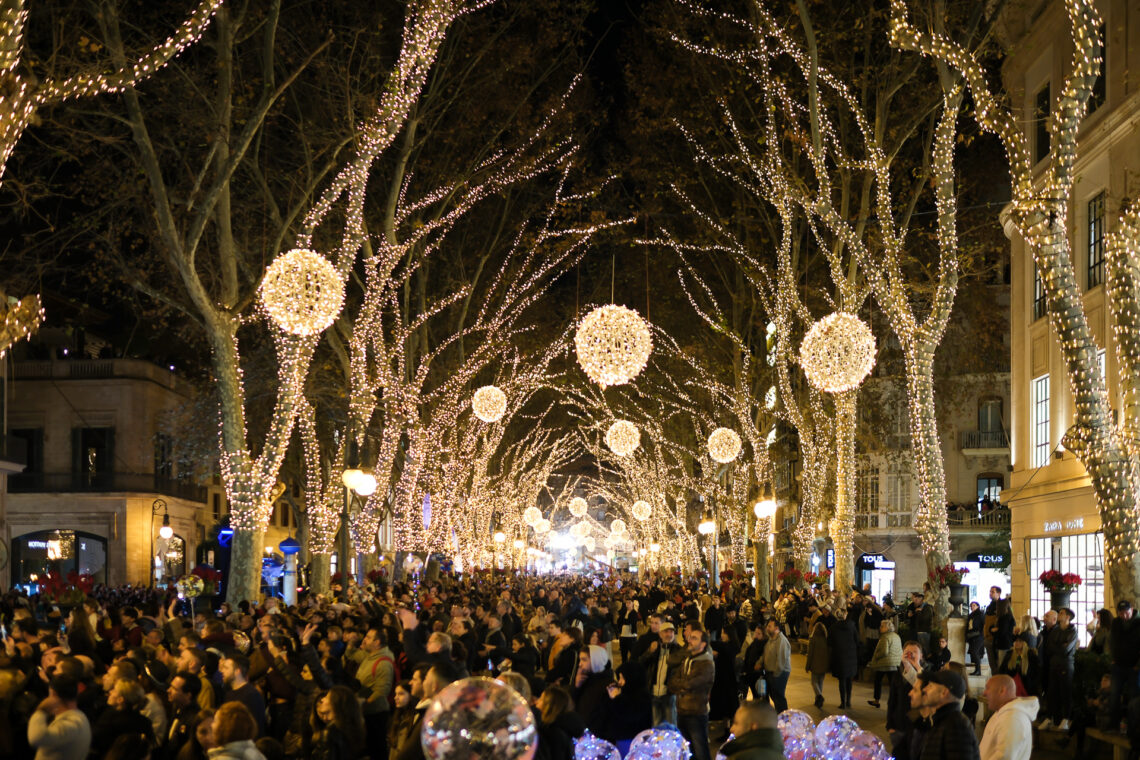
x: 755, y: 732
x: 1009, y: 731
x: 591, y: 679
x: 691, y: 683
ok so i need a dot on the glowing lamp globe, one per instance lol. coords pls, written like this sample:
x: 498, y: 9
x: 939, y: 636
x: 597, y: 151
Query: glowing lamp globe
x: 489, y: 403
x: 838, y: 353
x: 764, y: 509
x: 724, y: 445
x: 578, y: 506
x: 531, y: 516
x: 350, y: 476
x: 617, y: 527
x: 580, y: 529
x: 707, y: 525
x: 365, y: 484
x: 166, y: 532
x: 613, y: 344
x: 302, y: 292
x: 542, y: 526
x: 655, y: 547
x: 642, y: 510
x: 499, y: 537
x: 623, y: 438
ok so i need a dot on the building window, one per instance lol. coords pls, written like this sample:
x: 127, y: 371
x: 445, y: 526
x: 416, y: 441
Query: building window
x: 1041, y: 120
x: 1082, y: 554
x: 1096, y: 100
x: 93, y: 455
x: 216, y: 505
x: 1100, y: 359
x: 1039, y: 422
x: 898, y: 498
x: 989, y: 415
x: 989, y: 487
x: 867, y: 497
x: 1096, y: 240
x: 163, y: 456
x: 1038, y: 294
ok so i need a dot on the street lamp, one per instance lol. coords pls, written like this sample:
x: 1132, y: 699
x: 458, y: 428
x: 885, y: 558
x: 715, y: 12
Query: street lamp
x: 165, y: 533
x: 707, y: 524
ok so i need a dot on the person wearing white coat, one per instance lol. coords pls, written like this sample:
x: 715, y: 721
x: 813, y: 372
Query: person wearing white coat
x: 1009, y: 731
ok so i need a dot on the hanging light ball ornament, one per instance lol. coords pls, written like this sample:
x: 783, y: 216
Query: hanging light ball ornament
x: 642, y: 510
x: 531, y: 516
x: 578, y: 506
x: 302, y: 292
x: 613, y: 344
x: 542, y: 526
x: 724, y: 445
x: 623, y: 438
x: 489, y: 403
x: 617, y: 527
x: 589, y: 543
x: 838, y: 352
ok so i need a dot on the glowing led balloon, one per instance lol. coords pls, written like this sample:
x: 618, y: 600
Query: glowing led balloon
x: 590, y: 747
x: 838, y: 352
x: 661, y: 743
x: 642, y: 510
x: 833, y: 734
x: 478, y: 718
x: 578, y: 506
x: 623, y: 438
x: 302, y: 292
x: 489, y: 403
x: 724, y: 445
x: 613, y: 344
x: 531, y: 516
x: 798, y: 730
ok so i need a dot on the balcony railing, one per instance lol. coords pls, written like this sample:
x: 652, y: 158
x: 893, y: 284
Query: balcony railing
x: 983, y: 439
x: 67, y: 482
x: 965, y: 518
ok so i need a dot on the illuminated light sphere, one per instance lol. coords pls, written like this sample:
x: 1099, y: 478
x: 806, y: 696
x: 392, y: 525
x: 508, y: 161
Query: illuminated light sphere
x: 589, y: 543
x: 531, y: 516
x: 578, y: 506
x: 499, y: 537
x: 365, y: 484
x: 724, y: 445
x: 655, y: 547
x: 838, y: 352
x: 613, y: 344
x: 642, y: 510
x: 765, y: 509
x: 580, y: 529
x: 611, y: 542
x: 542, y: 526
x: 302, y: 292
x: 623, y: 438
x: 489, y: 403
x: 617, y: 527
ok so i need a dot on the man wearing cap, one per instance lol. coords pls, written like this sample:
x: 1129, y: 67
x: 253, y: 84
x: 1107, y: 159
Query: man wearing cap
x: 1009, y: 731
x: 659, y: 661
x: 1125, y: 651
x: 952, y: 736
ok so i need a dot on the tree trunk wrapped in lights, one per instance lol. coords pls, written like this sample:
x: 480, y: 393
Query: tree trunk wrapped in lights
x: 1039, y: 213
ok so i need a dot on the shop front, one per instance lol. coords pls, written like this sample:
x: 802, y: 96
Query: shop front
x: 878, y: 570
x: 60, y: 552
x: 987, y: 568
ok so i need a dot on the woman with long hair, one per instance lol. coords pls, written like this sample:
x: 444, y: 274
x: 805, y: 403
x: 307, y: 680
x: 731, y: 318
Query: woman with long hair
x: 1022, y: 665
x: 403, y: 717
x: 338, y: 726
x: 202, y: 740
x: 235, y: 730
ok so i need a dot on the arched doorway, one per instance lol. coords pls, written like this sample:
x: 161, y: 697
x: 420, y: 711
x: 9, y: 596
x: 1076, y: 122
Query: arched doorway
x: 58, y: 551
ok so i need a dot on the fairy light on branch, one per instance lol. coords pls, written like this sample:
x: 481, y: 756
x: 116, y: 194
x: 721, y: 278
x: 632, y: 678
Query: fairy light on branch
x: 623, y: 438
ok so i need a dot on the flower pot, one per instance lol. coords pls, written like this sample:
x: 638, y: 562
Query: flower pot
x: 957, y: 598
x: 1059, y: 599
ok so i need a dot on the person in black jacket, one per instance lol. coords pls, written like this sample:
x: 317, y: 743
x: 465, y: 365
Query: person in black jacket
x: 1022, y: 664
x: 843, y: 642
x: 627, y: 711
x: 951, y: 736
x: 1059, y: 689
x: 754, y: 658
x: 975, y: 637
x: 523, y: 658
x: 898, y: 698
x: 1003, y: 630
x: 1124, y: 648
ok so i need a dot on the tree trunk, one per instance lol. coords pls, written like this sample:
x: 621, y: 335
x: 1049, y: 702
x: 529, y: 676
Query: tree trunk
x: 245, y: 566
x: 760, y: 567
x: 320, y: 566
x: 843, y: 526
x: 926, y: 447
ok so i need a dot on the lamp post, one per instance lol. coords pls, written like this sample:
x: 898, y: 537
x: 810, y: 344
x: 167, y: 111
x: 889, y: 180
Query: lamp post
x: 357, y: 483
x: 165, y: 533
x: 707, y: 527
x: 765, y: 510
x: 289, y: 547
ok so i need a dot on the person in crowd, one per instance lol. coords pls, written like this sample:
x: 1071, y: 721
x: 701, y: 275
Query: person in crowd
x: 123, y: 715
x: 1009, y: 730
x: 755, y: 734
x: 523, y: 658
x: 951, y: 735
x: 627, y: 711
x: 202, y: 738
x: 1124, y: 651
x: 1049, y: 624
x: 843, y: 641
x: 558, y: 724
x: 691, y: 683
x: 235, y: 730
x: 975, y: 638
x: 818, y: 660
x: 438, y: 676
x: 562, y: 658
x: 182, y: 694
x: 777, y: 665
x: 338, y: 727
x: 1026, y: 628
x: 591, y: 679
x: 376, y: 674
x: 885, y: 660
x: 403, y: 715
x: 968, y: 703
x: 1022, y: 665
x: 628, y: 620
x: 989, y: 625
x: 660, y: 660
x: 1059, y: 681
x: 940, y: 655
x: 1100, y: 629
x: 898, y: 698
x: 1003, y: 630
x: 129, y: 747
x: 753, y: 665
x: 921, y: 617
x: 58, y: 730
x: 234, y: 670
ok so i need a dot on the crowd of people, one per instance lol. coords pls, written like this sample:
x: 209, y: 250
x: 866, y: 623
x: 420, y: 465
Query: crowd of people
x: 133, y: 673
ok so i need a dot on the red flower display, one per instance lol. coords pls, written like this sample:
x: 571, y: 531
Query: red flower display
x: 947, y: 575
x: 1056, y: 582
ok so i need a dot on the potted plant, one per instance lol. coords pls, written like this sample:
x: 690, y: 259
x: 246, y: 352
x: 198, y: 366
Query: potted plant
x: 950, y: 577
x: 1060, y: 586
x: 67, y: 592
x: 790, y: 577
x: 817, y: 579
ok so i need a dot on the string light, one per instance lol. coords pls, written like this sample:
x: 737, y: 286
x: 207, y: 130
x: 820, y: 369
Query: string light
x: 532, y: 516
x: 302, y: 292
x: 838, y: 352
x: 578, y: 506
x: 618, y: 526
x: 489, y: 403
x: 623, y: 438
x: 724, y: 445
x: 613, y: 344
x: 642, y: 510
x: 21, y: 318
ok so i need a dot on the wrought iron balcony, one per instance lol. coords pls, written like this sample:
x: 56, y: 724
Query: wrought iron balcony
x: 985, y: 441
x: 105, y: 482
x: 970, y: 518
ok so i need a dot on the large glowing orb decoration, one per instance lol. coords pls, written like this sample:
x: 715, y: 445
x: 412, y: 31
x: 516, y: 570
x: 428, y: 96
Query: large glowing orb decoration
x: 489, y: 403
x: 623, y: 438
x: 642, y: 510
x: 578, y: 506
x: 542, y: 526
x: 617, y: 527
x: 531, y: 516
x: 724, y: 445
x: 302, y: 292
x: 613, y: 344
x: 838, y: 352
